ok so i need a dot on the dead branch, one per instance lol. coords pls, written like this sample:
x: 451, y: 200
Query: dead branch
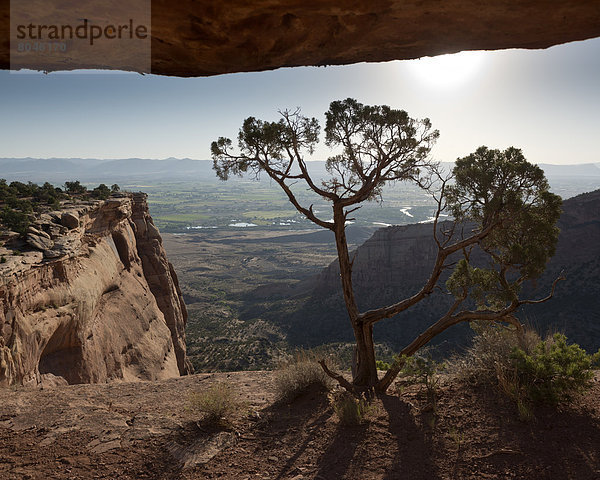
x: 340, y: 379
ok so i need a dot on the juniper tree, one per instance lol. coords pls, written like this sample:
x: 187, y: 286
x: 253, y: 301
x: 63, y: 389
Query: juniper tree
x: 499, y: 201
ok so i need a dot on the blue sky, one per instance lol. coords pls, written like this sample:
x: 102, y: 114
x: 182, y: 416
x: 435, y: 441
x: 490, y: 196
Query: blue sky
x: 546, y: 102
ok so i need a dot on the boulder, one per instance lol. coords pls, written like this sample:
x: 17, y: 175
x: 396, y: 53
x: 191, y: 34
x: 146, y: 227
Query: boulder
x: 69, y: 220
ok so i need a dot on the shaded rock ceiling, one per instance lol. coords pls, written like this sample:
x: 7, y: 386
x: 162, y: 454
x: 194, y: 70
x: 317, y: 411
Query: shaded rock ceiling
x: 210, y: 37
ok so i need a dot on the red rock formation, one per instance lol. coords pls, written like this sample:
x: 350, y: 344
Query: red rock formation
x: 104, y: 304
x: 209, y: 37
x: 161, y: 278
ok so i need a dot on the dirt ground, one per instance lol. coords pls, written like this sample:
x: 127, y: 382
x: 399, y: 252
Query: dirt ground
x: 145, y: 431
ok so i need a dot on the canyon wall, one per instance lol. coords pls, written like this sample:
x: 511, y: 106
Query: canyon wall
x: 90, y: 297
x: 396, y: 261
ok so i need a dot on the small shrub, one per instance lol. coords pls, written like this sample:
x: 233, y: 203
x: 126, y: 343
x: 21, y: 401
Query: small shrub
x: 75, y: 187
x: 423, y: 369
x: 101, y: 191
x: 15, y: 220
x: 217, y: 404
x: 596, y: 360
x: 350, y: 410
x: 525, y: 368
x: 3, y: 259
x: 553, y: 371
x: 297, y: 375
x: 489, y: 354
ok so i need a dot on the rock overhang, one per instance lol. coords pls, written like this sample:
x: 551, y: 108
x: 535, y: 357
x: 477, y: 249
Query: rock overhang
x: 192, y: 38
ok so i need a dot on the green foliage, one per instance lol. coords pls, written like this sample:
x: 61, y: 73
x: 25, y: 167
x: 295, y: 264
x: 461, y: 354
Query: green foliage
x: 15, y: 220
x: 48, y: 194
x: 423, y: 369
x: 101, y: 191
x: 2, y: 259
x: 264, y: 144
x: 595, y: 359
x: 115, y: 188
x: 350, y: 410
x: 525, y: 368
x: 297, y: 375
x: 381, y: 365
x: 502, y: 192
x: 377, y: 145
x: 217, y: 404
x: 75, y: 187
x: 553, y: 371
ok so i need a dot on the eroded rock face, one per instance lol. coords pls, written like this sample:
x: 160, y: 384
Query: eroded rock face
x: 100, y: 304
x: 192, y: 38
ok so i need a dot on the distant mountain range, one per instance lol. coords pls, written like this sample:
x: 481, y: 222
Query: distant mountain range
x: 566, y: 180
x: 59, y: 170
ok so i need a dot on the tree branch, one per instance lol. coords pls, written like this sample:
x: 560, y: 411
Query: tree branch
x: 339, y: 378
x: 373, y: 316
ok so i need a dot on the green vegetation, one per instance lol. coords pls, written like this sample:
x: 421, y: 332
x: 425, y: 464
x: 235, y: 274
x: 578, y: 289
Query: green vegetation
x: 217, y: 405
x: 381, y: 365
x: 75, y: 187
x: 553, y: 371
x: 19, y: 201
x: 423, y: 370
x: 101, y: 191
x: 15, y: 219
x: 524, y: 368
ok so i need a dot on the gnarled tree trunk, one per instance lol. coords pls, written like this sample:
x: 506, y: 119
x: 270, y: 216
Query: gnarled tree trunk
x: 364, y: 369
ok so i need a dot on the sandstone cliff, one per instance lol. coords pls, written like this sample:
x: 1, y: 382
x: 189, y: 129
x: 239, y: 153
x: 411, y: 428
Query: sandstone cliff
x: 396, y: 261
x: 90, y: 297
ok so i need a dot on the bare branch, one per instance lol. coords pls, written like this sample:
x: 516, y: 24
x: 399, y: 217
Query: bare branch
x: 545, y: 299
x: 339, y: 378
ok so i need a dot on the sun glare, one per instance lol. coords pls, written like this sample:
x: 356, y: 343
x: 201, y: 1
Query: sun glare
x: 447, y: 71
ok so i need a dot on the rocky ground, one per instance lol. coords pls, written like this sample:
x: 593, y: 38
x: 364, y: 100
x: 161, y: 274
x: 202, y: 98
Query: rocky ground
x: 145, y: 430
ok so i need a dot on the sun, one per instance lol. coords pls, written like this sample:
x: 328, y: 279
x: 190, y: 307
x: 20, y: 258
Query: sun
x: 447, y: 71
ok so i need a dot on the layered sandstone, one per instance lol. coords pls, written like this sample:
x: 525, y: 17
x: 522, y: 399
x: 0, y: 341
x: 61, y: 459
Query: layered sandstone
x: 95, y: 300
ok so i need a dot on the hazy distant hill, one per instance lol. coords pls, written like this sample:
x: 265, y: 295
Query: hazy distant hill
x: 395, y: 262
x: 59, y: 170
x: 566, y: 180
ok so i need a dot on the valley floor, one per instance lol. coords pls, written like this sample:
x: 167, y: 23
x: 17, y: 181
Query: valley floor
x: 145, y: 430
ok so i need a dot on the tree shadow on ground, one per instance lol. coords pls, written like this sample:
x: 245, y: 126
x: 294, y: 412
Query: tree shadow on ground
x: 337, y: 459
x: 391, y: 448
x: 413, y: 447
x: 303, y: 418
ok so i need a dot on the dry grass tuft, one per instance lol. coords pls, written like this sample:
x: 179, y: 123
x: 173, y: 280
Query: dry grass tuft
x: 217, y: 405
x: 298, y: 374
x: 350, y: 410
